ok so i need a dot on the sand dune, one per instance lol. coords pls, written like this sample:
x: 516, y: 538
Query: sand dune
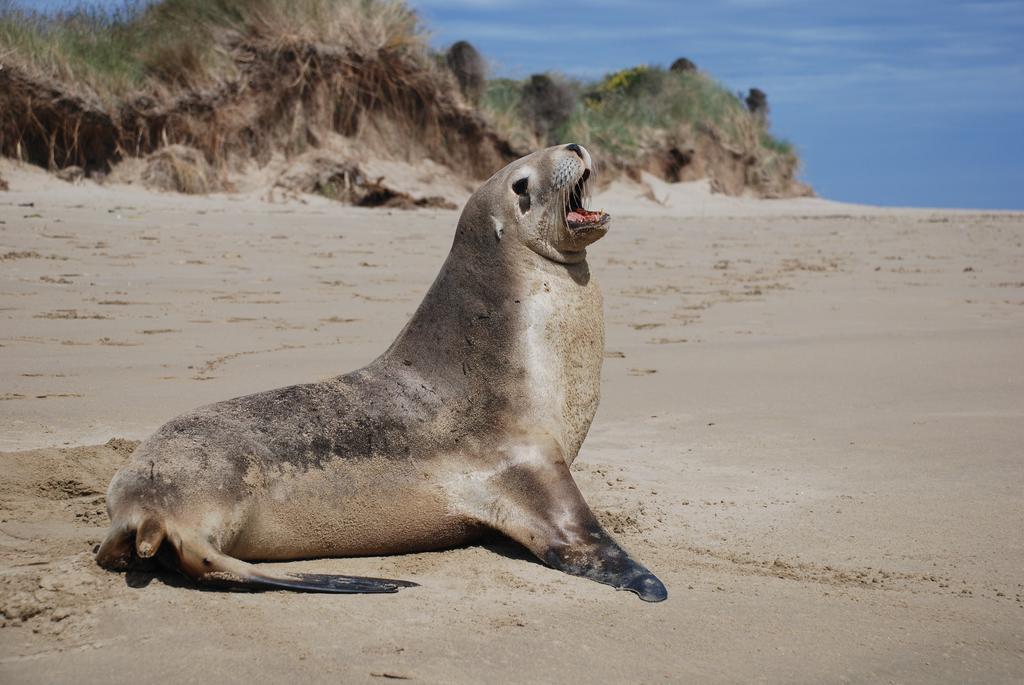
x: 811, y: 430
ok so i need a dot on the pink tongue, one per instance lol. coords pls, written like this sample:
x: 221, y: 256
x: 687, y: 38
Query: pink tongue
x: 582, y: 216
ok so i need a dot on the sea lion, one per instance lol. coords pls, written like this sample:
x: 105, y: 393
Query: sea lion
x: 468, y: 422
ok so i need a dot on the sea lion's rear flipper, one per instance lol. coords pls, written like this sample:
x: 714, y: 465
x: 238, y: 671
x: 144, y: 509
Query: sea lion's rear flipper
x: 556, y: 524
x: 319, y: 582
x: 201, y: 561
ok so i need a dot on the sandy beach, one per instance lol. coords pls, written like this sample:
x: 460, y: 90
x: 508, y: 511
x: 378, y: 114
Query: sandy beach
x: 812, y: 430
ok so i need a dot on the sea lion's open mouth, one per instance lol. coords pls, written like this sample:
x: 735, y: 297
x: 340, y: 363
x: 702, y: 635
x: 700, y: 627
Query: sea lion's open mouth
x: 577, y: 217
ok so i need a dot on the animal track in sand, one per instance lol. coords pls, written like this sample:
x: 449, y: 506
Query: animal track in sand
x: 819, y: 265
x: 866, y: 577
x: 69, y: 314
x: 372, y: 298
x: 29, y: 254
x: 242, y: 295
x: 117, y: 343
x: 204, y: 371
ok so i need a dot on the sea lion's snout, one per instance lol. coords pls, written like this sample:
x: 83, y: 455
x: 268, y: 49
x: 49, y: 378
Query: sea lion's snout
x: 581, y: 151
x: 541, y: 201
x: 583, y: 224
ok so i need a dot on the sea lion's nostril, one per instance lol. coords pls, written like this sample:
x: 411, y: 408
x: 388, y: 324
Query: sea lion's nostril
x: 575, y: 148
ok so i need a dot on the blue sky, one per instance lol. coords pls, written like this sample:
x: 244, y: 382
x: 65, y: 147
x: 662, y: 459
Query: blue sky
x: 911, y: 103
x: 897, y: 103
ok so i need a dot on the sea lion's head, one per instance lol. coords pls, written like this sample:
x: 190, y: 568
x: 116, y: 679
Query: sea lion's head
x: 539, y: 201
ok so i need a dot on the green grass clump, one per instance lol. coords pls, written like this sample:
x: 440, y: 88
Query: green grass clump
x: 85, y: 46
x: 635, y: 114
x: 779, y: 146
x: 627, y: 109
x: 501, y: 104
x: 502, y: 95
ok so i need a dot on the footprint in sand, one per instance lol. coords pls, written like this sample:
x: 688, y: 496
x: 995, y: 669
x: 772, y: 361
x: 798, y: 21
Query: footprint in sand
x: 69, y: 314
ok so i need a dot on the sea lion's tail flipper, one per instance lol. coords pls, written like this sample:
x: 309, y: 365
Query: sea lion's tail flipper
x: 201, y: 561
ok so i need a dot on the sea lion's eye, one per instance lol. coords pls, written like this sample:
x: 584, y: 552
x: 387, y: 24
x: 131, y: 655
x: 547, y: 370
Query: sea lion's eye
x: 521, y: 188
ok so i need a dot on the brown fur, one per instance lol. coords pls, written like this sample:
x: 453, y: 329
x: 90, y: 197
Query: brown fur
x: 468, y: 421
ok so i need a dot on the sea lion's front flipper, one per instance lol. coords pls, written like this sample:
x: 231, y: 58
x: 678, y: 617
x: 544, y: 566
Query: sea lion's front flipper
x: 539, y: 506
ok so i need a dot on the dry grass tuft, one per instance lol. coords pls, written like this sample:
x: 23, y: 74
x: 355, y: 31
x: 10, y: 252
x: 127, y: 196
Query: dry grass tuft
x: 180, y: 169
